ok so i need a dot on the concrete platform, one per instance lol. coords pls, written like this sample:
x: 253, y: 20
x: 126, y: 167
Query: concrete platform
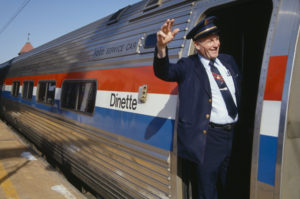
x: 24, y: 175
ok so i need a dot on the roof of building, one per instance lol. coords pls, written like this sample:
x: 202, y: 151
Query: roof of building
x: 27, y: 47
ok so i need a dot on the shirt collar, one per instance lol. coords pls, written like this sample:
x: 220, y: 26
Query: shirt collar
x: 206, y: 61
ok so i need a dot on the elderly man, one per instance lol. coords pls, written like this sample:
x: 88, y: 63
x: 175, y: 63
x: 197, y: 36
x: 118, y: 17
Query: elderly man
x: 209, y: 92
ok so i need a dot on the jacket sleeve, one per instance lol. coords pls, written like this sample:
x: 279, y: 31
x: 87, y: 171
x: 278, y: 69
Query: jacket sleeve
x: 165, y: 70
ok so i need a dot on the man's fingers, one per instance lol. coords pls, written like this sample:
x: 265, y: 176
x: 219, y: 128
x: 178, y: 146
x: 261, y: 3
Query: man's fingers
x: 175, y: 31
x: 167, y: 26
x: 165, y: 34
x: 164, y: 27
x: 170, y: 25
x: 161, y: 34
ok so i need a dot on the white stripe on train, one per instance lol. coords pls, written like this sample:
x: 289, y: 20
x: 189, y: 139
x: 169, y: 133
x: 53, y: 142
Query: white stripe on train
x: 270, y: 118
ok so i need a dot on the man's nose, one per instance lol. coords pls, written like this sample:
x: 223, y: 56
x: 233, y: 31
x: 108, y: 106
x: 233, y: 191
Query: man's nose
x: 216, y: 43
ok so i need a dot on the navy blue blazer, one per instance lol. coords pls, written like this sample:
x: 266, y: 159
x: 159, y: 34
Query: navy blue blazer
x: 195, y: 99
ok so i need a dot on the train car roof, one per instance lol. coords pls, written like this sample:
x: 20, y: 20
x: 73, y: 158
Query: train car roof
x: 122, y: 39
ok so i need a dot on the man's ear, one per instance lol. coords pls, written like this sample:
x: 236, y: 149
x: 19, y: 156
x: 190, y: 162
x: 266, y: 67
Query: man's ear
x: 197, y: 45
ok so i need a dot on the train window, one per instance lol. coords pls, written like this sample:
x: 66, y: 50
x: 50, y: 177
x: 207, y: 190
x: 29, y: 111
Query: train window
x: 15, y: 88
x: 46, y: 91
x: 151, y: 4
x: 150, y: 41
x: 27, y: 89
x: 116, y: 16
x: 79, y: 95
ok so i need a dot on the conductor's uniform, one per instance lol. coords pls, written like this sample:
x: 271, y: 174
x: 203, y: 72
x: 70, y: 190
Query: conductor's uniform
x: 205, y: 131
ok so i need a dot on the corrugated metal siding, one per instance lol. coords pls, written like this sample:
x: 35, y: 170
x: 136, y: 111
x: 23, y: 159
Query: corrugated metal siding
x: 74, y: 50
x: 113, y: 165
x: 101, y: 157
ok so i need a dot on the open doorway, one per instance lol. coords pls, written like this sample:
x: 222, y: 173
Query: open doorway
x: 243, y: 31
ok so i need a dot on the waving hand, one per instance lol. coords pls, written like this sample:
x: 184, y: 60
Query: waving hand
x: 164, y: 36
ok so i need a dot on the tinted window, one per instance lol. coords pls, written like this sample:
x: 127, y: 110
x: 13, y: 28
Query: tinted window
x: 152, y: 4
x: 46, y: 92
x: 150, y: 41
x: 15, y: 88
x: 79, y: 95
x: 27, y: 89
x: 116, y: 16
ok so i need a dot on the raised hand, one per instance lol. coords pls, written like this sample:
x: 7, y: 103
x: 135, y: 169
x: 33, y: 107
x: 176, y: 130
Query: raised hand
x: 164, y: 36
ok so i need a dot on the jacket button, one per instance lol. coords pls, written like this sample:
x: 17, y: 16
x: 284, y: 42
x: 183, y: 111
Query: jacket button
x: 207, y: 116
x: 209, y: 100
x: 204, y: 131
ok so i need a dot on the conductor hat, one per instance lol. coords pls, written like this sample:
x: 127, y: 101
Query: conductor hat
x: 204, y: 28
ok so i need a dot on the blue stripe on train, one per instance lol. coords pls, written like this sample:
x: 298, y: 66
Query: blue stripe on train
x: 151, y: 130
x: 267, y: 159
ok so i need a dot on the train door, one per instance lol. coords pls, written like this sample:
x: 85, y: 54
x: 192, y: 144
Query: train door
x: 243, y: 30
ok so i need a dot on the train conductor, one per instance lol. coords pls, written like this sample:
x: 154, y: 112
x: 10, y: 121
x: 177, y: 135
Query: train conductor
x: 209, y: 93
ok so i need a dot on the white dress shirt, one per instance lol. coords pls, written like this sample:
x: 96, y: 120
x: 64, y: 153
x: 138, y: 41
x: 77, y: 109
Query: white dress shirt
x: 219, y: 114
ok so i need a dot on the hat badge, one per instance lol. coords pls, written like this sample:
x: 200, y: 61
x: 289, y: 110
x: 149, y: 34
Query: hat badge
x: 206, y: 22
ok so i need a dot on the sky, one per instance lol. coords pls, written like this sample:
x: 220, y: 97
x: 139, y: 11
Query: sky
x: 47, y: 20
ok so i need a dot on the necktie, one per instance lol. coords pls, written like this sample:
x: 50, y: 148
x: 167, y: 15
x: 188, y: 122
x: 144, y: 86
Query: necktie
x: 230, y: 105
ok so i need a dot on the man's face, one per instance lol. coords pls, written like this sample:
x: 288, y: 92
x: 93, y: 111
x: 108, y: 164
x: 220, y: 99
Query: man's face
x: 208, y: 46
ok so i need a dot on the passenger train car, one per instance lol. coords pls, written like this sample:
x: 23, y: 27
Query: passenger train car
x: 90, y: 100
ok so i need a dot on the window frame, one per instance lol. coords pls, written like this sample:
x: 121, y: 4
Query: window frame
x: 28, y: 89
x: 13, y: 89
x: 79, y: 81
x: 148, y: 37
x: 149, y: 6
x: 115, y: 17
x: 45, y: 93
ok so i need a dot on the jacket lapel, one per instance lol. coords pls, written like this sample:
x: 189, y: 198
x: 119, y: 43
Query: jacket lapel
x: 201, y: 73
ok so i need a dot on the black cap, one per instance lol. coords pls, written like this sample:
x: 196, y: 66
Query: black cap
x: 203, y: 28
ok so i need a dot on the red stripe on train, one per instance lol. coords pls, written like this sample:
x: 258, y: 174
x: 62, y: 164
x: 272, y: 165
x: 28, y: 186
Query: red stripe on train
x: 275, y: 78
x: 120, y: 79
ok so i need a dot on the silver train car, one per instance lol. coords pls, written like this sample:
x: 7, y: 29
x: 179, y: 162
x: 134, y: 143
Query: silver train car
x: 90, y: 100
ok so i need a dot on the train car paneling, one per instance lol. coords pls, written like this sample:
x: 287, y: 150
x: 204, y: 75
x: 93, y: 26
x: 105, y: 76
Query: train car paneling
x: 271, y: 120
x: 126, y: 148
x: 110, y: 114
x: 120, y: 43
x: 122, y: 151
x: 290, y: 174
x: 132, y: 141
